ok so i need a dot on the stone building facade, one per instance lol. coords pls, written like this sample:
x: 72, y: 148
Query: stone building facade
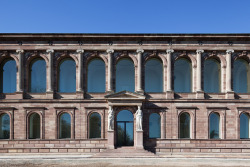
x: 197, y: 104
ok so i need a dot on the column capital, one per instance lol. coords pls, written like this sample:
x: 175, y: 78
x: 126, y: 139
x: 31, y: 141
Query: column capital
x: 199, y: 51
x: 229, y: 51
x: 139, y: 51
x: 110, y: 51
x: 80, y: 51
x: 50, y: 51
x: 20, y: 51
x: 169, y: 51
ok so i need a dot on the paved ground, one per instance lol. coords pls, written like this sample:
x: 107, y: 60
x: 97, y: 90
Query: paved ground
x: 87, y: 161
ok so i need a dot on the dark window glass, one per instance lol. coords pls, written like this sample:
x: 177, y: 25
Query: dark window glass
x: 95, y: 126
x: 184, y: 125
x: 96, y: 76
x: 125, y: 76
x: 214, y: 126
x: 8, y: 76
x: 34, y: 126
x: 67, y: 76
x: 182, y: 76
x: 153, y: 76
x: 4, y: 126
x: 154, y: 126
x: 64, y: 126
x: 38, y: 76
x: 241, y: 77
x: 244, y: 126
x: 211, y: 76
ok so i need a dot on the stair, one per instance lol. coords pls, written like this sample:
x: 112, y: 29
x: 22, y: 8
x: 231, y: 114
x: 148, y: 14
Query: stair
x: 125, y: 152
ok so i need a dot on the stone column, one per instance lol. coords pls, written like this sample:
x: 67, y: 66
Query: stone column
x: 170, y: 94
x: 50, y: 88
x: 20, y: 71
x: 199, y: 92
x: 110, y: 70
x: 163, y: 125
x: 139, y: 77
x: 80, y: 91
x: 111, y: 134
x: 230, y: 93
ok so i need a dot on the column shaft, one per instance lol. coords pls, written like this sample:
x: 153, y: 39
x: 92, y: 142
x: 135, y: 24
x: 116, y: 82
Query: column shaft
x: 198, y: 70
x: 139, y: 77
x: 20, y: 71
x: 50, y: 69
x: 80, y: 70
x: 169, y: 70
x: 110, y: 69
x: 228, y: 71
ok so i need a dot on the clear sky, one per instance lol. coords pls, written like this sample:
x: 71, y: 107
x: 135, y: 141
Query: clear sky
x: 124, y: 16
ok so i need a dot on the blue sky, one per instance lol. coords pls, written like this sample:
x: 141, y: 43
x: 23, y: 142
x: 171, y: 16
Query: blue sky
x: 124, y: 16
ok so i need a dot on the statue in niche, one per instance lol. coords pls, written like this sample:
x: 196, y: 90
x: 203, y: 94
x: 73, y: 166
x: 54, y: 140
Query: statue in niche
x: 110, y: 118
x: 139, y: 116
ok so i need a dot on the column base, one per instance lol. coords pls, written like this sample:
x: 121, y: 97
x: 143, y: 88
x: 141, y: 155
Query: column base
x: 111, y: 139
x: 140, y: 92
x: 170, y: 95
x: 230, y: 95
x: 80, y: 94
x: 50, y: 95
x: 19, y: 95
x: 110, y: 92
x: 139, y: 140
x: 200, y: 95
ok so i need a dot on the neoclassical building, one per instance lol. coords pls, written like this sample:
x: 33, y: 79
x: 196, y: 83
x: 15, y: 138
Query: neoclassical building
x: 93, y: 92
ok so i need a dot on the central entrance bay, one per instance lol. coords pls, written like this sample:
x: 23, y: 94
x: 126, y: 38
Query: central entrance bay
x: 125, y: 128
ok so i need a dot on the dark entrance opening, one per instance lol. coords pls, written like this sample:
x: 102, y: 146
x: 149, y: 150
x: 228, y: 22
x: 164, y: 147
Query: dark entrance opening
x: 125, y: 128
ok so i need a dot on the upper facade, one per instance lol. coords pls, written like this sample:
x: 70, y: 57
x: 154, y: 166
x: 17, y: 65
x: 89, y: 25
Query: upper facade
x: 91, y: 66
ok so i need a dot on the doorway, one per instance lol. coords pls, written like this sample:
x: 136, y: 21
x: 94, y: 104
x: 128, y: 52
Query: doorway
x: 125, y: 128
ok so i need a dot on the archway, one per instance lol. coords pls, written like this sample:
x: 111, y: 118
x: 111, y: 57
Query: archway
x: 125, y: 128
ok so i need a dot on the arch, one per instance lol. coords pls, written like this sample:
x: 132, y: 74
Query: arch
x: 182, y: 76
x: 94, y: 125
x: 4, y: 126
x: 244, y: 125
x: 241, y: 79
x: 212, y: 76
x: 8, y: 76
x: 153, y: 75
x: 154, y: 125
x: 185, y: 55
x: 37, y: 71
x: 96, y: 76
x: 214, y: 125
x: 156, y: 56
x: 125, y: 55
x: 64, y: 125
x: 67, y: 76
x: 125, y: 75
x: 95, y: 55
x: 184, y: 125
x: 34, y: 126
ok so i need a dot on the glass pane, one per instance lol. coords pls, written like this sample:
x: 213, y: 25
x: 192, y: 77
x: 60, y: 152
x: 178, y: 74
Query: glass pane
x: 240, y: 76
x: 121, y: 134
x: 214, y: 126
x: 182, y: 76
x: 38, y: 76
x: 8, y: 77
x: 34, y: 131
x: 244, y: 126
x: 95, y: 126
x: 96, y: 76
x: 5, y: 126
x: 129, y: 134
x: 125, y: 76
x: 211, y: 76
x: 125, y: 115
x: 67, y: 76
x: 184, y: 125
x: 153, y: 76
x: 154, y: 126
x: 65, y: 126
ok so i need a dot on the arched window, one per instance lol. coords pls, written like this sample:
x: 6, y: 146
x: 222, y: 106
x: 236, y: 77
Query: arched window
x: 182, y: 76
x: 96, y: 76
x: 64, y: 126
x: 184, y: 125
x: 67, y: 76
x: 38, y: 76
x: 4, y: 126
x: 211, y: 76
x: 214, y: 126
x: 153, y: 76
x: 244, y: 126
x: 95, y: 125
x: 34, y: 126
x: 241, y: 79
x: 154, y: 125
x: 125, y: 75
x: 8, y: 76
